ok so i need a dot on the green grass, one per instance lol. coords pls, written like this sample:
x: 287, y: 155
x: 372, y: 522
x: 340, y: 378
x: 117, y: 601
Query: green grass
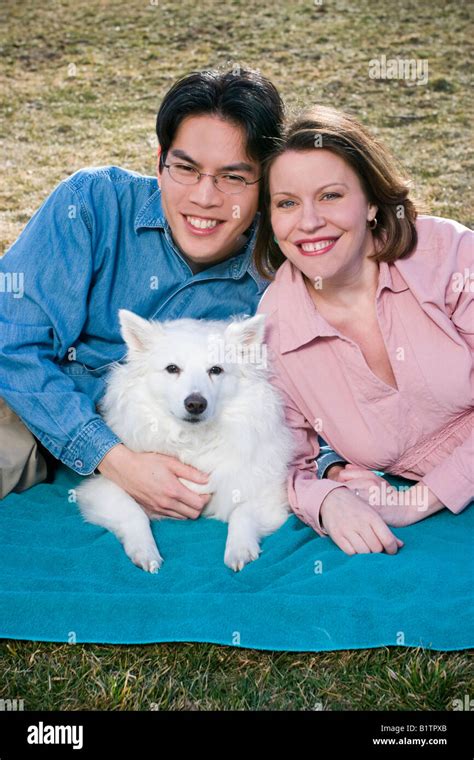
x: 56, y: 119
x: 210, y: 677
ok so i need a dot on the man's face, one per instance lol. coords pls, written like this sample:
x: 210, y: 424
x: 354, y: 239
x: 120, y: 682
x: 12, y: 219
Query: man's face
x: 207, y: 224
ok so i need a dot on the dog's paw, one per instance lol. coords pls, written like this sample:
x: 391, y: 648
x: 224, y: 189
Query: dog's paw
x: 237, y: 556
x: 148, y: 558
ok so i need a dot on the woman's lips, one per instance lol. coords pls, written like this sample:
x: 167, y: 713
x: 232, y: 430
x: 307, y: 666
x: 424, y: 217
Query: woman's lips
x: 201, y: 231
x: 316, y: 248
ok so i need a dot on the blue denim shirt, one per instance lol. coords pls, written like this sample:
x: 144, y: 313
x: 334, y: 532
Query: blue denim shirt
x: 100, y: 242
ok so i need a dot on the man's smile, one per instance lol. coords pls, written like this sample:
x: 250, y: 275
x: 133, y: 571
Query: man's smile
x: 201, y: 225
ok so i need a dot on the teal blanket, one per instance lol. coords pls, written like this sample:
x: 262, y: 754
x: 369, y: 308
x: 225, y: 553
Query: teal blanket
x: 64, y: 580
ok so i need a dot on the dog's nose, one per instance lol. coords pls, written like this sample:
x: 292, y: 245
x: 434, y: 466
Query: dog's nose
x: 195, y: 403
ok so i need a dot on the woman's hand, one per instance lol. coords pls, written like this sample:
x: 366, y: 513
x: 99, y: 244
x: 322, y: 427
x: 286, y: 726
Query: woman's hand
x: 355, y: 527
x: 396, y: 507
x: 154, y: 481
x: 377, y: 492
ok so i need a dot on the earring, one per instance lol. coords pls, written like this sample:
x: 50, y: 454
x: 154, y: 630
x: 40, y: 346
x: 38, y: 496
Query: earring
x: 274, y: 238
x: 372, y: 223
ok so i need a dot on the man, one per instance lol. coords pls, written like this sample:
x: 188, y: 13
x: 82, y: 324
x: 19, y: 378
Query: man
x: 179, y: 245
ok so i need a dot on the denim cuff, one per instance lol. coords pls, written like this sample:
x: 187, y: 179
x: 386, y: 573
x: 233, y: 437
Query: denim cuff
x: 88, y: 449
x: 325, y: 461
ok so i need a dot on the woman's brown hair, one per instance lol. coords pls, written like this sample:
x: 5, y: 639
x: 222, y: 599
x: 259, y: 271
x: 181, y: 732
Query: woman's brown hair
x: 381, y: 179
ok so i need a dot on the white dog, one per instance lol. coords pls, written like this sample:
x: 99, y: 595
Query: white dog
x: 197, y: 390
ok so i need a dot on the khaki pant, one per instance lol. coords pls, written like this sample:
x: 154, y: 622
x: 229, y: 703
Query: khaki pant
x: 23, y: 460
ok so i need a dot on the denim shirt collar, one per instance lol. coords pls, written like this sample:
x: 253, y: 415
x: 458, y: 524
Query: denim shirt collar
x: 152, y: 216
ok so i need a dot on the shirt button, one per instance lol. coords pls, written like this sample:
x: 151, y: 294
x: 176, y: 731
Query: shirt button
x: 78, y: 463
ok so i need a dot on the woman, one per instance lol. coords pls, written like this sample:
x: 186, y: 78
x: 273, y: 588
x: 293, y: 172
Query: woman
x: 370, y: 329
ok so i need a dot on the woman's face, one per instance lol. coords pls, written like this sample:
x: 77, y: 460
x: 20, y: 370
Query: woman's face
x: 319, y: 213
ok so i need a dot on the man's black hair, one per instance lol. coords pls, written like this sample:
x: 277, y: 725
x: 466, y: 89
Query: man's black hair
x: 245, y: 98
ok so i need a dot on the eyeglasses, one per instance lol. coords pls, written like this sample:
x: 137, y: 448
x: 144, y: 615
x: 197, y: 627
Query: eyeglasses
x: 231, y: 184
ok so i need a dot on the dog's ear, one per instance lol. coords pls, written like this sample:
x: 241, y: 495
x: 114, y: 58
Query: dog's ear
x: 136, y: 331
x: 247, y: 332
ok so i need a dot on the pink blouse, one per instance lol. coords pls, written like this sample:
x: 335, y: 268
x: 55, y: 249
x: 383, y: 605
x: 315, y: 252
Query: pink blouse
x: 422, y: 431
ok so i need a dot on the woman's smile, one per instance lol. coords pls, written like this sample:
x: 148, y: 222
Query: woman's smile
x: 316, y: 246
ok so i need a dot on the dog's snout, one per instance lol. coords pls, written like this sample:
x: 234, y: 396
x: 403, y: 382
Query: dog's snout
x: 195, y: 403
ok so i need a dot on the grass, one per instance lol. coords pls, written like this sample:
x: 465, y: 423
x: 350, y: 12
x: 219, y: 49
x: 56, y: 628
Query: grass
x: 209, y: 677
x: 80, y: 85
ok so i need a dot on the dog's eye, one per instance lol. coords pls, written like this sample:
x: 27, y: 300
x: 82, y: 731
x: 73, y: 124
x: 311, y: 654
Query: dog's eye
x: 215, y: 370
x: 172, y: 369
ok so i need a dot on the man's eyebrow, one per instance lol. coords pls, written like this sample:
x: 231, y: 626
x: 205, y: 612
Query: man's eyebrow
x: 329, y: 184
x: 241, y: 167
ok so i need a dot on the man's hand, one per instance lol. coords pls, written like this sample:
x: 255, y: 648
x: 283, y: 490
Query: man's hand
x: 153, y: 481
x: 333, y: 471
x: 366, y: 482
x: 354, y: 526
